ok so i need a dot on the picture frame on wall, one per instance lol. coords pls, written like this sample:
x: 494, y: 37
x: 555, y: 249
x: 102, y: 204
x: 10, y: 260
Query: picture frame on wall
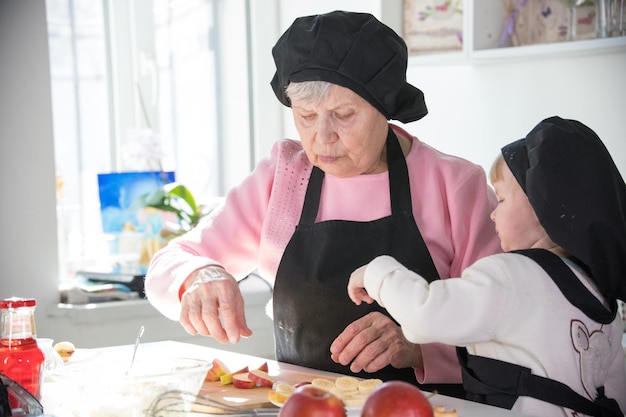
x: 433, y: 26
x: 546, y: 21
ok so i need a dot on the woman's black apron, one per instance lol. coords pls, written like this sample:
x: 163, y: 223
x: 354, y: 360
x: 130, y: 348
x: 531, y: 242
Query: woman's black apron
x: 311, y: 303
x: 500, y: 383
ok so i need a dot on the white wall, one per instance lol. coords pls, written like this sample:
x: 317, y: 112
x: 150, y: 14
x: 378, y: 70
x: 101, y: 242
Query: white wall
x: 475, y: 109
x: 28, y: 236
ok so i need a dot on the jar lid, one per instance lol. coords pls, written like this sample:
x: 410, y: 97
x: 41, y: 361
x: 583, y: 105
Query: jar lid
x: 15, y: 302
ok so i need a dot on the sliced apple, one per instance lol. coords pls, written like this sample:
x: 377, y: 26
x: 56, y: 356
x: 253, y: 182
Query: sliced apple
x: 263, y: 367
x: 261, y: 378
x: 228, y: 378
x: 242, y: 381
x: 218, y: 368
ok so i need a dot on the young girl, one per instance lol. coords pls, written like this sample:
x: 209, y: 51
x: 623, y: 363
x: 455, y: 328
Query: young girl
x: 536, y: 326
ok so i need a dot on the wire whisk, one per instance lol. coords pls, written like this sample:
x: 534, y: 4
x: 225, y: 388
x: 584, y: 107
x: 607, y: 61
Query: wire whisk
x: 180, y: 403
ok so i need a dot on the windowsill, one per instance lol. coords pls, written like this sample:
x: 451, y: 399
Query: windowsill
x: 116, y: 322
x: 256, y: 293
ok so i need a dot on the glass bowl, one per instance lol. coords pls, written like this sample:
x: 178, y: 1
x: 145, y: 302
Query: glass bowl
x: 109, y: 389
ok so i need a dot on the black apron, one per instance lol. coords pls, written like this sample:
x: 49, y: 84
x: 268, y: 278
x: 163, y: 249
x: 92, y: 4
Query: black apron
x: 311, y: 303
x: 500, y: 383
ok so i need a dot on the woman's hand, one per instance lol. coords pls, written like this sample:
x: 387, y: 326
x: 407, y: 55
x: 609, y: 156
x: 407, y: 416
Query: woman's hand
x: 373, y: 342
x: 212, y: 305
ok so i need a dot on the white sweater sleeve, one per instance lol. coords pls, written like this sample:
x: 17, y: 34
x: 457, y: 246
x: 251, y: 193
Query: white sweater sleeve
x: 457, y: 311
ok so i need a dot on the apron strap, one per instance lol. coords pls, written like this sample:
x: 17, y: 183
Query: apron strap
x: 500, y: 383
x: 571, y: 287
x: 312, y: 197
x: 399, y: 187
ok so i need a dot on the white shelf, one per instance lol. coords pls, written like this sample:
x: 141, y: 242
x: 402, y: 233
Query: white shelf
x: 552, y: 50
x: 484, y: 20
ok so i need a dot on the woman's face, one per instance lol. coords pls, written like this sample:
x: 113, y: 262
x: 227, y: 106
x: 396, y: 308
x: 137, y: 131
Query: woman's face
x: 516, y: 223
x: 342, y: 134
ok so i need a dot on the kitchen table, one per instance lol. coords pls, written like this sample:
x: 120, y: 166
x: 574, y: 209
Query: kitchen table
x: 248, y: 398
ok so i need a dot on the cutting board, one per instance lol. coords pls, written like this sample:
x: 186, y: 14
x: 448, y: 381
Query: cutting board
x: 254, y: 397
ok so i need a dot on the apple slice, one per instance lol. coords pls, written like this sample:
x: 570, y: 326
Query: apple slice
x: 228, y: 378
x: 242, y: 381
x: 218, y: 368
x: 263, y: 367
x: 261, y: 378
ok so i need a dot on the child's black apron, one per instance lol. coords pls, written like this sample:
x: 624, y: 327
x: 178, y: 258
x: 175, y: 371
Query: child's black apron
x: 311, y: 303
x: 500, y: 383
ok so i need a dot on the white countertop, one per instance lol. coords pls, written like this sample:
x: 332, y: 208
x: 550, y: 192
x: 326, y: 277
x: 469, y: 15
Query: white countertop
x: 157, y: 349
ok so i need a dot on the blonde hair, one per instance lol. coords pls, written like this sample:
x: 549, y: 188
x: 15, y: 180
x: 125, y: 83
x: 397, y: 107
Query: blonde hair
x: 495, y: 173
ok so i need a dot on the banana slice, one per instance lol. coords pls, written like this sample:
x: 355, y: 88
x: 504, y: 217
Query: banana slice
x: 356, y: 400
x: 440, y: 411
x: 347, y: 383
x: 352, y: 391
x: 283, y: 388
x: 366, y: 386
x: 343, y: 394
x: 323, y: 383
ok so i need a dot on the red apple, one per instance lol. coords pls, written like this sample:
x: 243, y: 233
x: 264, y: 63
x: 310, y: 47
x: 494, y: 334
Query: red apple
x: 242, y: 381
x: 397, y: 399
x: 261, y: 378
x: 310, y: 401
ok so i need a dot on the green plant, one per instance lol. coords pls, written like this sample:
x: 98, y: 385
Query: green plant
x: 174, y: 197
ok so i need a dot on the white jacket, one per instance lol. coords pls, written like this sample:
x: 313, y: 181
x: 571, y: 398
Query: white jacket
x: 506, y: 307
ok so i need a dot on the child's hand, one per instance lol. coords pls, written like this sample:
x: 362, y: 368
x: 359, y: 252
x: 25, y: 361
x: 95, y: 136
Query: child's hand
x: 356, y: 289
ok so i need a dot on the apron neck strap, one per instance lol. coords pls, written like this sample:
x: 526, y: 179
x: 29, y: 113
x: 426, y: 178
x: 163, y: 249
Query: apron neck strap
x: 570, y: 286
x: 399, y: 187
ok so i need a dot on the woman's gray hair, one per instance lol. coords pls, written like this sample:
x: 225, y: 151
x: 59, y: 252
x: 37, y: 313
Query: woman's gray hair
x: 309, y: 91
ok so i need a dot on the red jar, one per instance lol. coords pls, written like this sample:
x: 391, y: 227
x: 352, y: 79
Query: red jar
x: 20, y: 357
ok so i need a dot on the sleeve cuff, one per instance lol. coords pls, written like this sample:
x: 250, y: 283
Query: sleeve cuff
x: 376, y: 272
x: 441, y: 365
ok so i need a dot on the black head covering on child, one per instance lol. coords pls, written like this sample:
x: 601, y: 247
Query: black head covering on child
x: 578, y: 195
x: 353, y: 50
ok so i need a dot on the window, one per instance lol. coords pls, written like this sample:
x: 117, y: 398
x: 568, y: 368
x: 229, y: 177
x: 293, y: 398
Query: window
x: 138, y: 86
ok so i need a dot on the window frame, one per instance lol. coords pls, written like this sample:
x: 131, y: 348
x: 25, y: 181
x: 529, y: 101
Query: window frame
x: 237, y: 142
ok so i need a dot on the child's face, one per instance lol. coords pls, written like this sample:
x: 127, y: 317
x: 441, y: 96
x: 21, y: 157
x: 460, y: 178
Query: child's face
x: 516, y: 223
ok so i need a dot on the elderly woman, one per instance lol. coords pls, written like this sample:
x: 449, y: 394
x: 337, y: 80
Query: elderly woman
x: 352, y: 188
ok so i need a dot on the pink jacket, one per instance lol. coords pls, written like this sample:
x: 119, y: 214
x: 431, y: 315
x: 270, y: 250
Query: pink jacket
x: 451, y: 204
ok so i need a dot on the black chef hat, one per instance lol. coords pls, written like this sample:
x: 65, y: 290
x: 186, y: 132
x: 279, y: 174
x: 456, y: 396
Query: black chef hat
x: 578, y: 195
x: 353, y: 50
